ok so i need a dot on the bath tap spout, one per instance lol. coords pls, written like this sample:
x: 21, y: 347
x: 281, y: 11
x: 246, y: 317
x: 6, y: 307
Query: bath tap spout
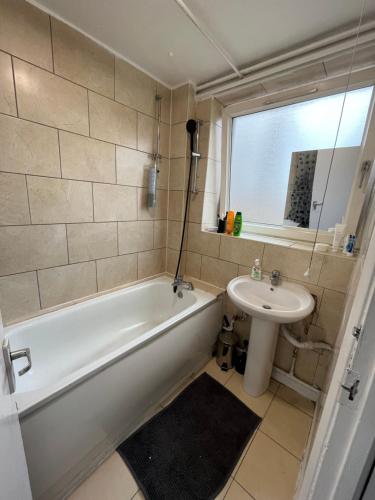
x: 179, y: 284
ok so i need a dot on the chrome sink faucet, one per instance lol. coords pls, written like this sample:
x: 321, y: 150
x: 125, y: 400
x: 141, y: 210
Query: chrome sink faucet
x: 179, y: 284
x: 275, y: 277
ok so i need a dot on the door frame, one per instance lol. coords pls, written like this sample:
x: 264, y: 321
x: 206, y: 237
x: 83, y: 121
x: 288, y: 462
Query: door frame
x: 320, y: 457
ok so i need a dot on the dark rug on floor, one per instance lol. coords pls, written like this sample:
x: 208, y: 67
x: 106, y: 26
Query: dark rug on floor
x: 189, y: 449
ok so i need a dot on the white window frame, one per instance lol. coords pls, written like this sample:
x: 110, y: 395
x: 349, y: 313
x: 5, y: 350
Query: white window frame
x: 356, y: 197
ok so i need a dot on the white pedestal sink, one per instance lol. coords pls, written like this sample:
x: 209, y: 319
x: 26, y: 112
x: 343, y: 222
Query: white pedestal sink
x: 269, y: 306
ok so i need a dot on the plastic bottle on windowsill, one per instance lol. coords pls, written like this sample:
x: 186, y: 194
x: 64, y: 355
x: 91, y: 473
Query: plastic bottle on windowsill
x: 237, y: 224
x: 230, y: 222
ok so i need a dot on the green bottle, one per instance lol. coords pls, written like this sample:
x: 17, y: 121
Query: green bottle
x: 237, y: 224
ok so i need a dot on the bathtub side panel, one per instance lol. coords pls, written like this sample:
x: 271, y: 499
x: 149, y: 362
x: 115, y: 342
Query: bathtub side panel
x: 97, y: 414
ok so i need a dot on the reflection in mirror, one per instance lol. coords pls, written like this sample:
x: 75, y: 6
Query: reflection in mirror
x: 281, y: 157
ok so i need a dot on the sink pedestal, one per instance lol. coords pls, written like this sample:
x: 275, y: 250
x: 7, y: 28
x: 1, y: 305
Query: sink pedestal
x: 261, y: 353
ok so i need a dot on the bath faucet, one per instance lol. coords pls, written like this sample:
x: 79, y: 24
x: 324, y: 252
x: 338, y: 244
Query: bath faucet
x: 179, y: 284
x: 275, y: 277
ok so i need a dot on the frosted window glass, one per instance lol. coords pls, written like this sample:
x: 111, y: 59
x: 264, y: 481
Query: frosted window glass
x: 263, y: 143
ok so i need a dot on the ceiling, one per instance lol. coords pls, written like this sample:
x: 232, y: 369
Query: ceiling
x: 145, y: 32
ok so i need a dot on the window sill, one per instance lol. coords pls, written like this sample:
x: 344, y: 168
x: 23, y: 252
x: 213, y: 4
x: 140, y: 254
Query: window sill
x: 282, y: 242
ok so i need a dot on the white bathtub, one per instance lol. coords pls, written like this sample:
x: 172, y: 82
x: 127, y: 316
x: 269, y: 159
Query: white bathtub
x: 98, y: 367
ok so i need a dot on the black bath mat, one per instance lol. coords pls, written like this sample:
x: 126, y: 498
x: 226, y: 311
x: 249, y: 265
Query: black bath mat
x: 189, y: 449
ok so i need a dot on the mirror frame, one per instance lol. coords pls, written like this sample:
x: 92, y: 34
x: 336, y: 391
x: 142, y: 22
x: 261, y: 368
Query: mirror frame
x: 367, y: 153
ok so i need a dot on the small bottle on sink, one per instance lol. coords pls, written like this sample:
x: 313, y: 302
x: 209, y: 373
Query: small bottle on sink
x: 256, y: 271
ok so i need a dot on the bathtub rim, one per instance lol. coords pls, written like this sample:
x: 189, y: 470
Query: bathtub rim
x: 30, y: 401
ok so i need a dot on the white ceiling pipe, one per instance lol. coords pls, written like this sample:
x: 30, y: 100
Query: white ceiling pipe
x: 209, y: 37
x: 329, y: 46
x: 275, y: 70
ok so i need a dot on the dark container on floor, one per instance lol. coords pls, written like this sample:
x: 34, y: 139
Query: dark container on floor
x: 240, y: 356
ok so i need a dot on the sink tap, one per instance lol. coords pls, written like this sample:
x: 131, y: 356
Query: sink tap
x: 179, y: 284
x: 275, y: 277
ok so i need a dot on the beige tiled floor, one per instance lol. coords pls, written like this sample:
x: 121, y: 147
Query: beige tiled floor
x: 268, y: 467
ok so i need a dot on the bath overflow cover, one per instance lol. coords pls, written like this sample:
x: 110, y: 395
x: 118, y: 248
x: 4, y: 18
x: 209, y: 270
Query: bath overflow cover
x: 265, y: 306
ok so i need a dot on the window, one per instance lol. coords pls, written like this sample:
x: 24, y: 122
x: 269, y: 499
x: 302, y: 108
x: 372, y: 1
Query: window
x: 280, y: 160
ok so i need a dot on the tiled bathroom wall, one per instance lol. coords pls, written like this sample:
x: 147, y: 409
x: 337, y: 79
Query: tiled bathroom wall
x: 217, y: 259
x: 77, y: 127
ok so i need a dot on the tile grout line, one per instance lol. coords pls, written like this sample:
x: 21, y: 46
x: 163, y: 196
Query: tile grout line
x: 51, y: 40
x: 62, y: 77
x: 67, y: 245
x: 280, y: 445
x: 28, y: 202
x: 74, y: 132
x: 38, y: 285
x: 14, y: 86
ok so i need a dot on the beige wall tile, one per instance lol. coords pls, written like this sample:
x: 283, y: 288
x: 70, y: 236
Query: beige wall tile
x: 193, y: 264
x: 146, y: 133
x: 292, y: 263
x: 306, y: 364
x: 28, y: 148
x: 135, y: 236
x: 91, y: 241
x: 134, y: 88
x: 176, y: 205
x: 87, y: 159
x: 164, y: 140
x: 174, y: 235
x: 81, y: 60
x: 203, y: 110
x: 159, y: 212
x: 59, y: 200
x: 160, y: 233
x: 46, y: 98
x: 177, y: 180
x: 132, y: 167
x: 218, y: 272
x: 166, y: 102
x: 19, y: 296
x: 7, y: 95
x: 25, y: 32
x: 116, y: 271
x: 336, y: 272
x: 284, y: 352
x: 14, y: 207
x: 330, y: 314
x: 287, y: 425
x: 112, y: 122
x: 150, y: 263
x: 203, y: 242
x: 62, y: 284
x: 114, y: 203
x: 26, y: 248
x: 163, y: 174
x: 196, y: 207
x: 178, y: 140
x: 172, y: 259
x: 241, y: 251
x: 268, y: 471
x: 180, y: 104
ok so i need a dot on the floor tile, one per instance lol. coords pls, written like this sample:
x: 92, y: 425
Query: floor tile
x: 213, y: 369
x: 138, y: 496
x: 296, y: 399
x: 243, y: 455
x: 258, y: 405
x: 268, y: 472
x: 165, y: 402
x: 111, y: 481
x: 236, y: 492
x: 224, y: 491
x: 287, y: 425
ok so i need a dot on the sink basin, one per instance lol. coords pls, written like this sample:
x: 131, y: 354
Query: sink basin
x: 268, y: 306
x: 285, y: 303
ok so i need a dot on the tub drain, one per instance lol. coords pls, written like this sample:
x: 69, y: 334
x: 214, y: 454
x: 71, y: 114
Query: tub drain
x: 265, y: 306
